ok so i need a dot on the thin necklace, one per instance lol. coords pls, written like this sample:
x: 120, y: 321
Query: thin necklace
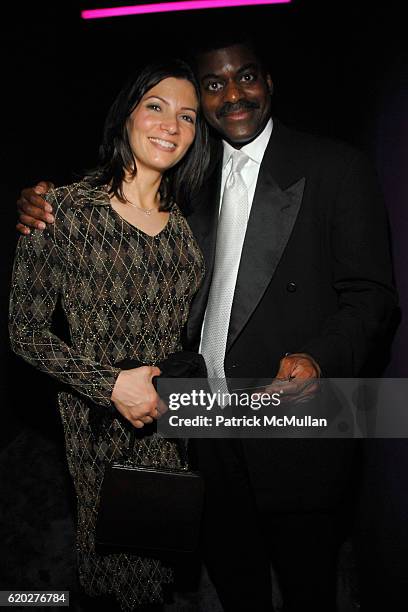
x: 146, y: 211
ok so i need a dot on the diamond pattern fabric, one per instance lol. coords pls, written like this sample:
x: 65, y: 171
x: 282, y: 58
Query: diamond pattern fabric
x: 124, y: 294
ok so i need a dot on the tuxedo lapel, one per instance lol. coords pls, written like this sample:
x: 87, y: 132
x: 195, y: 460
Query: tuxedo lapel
x: 276, y: 204
x: 273, y: 215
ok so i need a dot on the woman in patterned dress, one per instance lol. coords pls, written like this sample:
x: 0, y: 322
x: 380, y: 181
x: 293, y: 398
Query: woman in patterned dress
x: 122, y: 260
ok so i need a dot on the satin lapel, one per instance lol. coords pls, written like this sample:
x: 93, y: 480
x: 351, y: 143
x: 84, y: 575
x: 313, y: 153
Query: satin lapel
x: 273, y: 215
x: 203, y: 222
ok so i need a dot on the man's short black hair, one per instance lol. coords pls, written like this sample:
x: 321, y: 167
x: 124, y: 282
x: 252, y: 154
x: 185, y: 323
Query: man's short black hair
x: 222, y: 39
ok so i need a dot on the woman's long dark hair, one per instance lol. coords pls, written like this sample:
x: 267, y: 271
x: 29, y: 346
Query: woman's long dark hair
x: 116, y: 158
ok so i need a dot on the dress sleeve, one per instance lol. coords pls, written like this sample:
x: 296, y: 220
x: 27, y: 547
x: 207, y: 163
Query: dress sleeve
x: 36, y: 284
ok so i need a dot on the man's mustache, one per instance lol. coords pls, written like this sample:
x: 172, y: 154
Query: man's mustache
x: 243, y: 105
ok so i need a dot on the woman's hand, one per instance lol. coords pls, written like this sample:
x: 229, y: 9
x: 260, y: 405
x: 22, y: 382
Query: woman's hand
x: 135, y: 396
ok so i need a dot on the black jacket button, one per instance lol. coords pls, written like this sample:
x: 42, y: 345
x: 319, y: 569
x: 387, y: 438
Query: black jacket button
x: 291, y: 287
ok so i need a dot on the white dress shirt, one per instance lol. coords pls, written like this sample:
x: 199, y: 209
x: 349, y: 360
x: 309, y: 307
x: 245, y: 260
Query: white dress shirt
x: 255, y: 151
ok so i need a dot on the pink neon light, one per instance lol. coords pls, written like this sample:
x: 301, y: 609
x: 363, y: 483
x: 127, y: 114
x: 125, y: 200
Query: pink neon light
x: 163, y: 7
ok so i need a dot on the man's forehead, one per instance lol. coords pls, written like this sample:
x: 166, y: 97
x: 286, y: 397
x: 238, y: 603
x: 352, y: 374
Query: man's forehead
x: 226, y: 59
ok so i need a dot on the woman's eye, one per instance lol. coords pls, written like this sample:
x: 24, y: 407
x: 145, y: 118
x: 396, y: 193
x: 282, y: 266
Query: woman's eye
x: 154, y: 107
x: 188, y: 118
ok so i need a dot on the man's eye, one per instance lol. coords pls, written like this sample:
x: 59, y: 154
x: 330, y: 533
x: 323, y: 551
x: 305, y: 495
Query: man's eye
x: 248, y: 78
x: 154, y: 107
x: 213, y: 86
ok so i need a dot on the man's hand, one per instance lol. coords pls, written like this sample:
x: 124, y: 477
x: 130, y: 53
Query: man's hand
x: 33, y: 210
x: 296, y: 379
x: 135, y: 397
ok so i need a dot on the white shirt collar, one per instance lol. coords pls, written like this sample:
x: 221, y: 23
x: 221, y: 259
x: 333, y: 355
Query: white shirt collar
x: 255, y: 149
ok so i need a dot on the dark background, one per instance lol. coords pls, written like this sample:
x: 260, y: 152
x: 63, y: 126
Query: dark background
x: 339, y: 69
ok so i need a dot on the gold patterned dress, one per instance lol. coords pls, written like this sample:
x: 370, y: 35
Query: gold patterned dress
x: 125, y: 294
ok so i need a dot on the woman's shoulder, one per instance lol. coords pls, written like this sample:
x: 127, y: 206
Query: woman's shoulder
x: 77, y: 196
x: 177, y: 212
x: 179, y: 216
x: 73, y: 206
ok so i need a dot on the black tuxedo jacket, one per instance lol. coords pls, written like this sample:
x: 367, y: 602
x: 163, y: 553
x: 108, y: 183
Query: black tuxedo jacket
x: 315, y: 276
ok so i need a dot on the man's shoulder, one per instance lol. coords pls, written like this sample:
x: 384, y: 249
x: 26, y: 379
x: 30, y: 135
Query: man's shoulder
x: 316, y: 148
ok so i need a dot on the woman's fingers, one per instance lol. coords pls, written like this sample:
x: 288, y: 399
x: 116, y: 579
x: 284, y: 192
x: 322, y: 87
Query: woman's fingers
x: 141, y: 421
x: 161, y: 408
x: 135, y: 396
x: 147, y: 420
x: 137, y: 423
x: 154, y: 371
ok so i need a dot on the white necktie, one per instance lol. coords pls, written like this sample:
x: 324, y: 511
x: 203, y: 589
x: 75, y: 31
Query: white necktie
x: 230, y: 238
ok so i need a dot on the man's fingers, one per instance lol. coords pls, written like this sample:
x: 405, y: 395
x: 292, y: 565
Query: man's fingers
x: 286, y: 367
x: 30, y: 196
x: 292, y: 367
x: 23, y: 229
x: 31, y: 222
x: 296, y: 385
x: 292, y: 390
x: 43, y: 186
x: 298, y: 366
x: 27, y: 207
x: 299, y: 385
x: 35, y: 207
x: 304, y: 370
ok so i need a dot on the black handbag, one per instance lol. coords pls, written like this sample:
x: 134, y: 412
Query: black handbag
x: 152, y: 511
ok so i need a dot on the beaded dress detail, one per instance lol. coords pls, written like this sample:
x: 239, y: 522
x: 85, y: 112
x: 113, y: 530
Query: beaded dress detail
x: 125, y: 294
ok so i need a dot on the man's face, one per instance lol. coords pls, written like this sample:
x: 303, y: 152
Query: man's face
x: 235, y: 93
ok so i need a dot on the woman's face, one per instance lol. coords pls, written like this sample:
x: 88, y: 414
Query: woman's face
x: 162, y: 126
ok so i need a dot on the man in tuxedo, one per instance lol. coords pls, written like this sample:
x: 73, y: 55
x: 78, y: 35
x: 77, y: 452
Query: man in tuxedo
x: 314, y: 280
x: 298, y: 285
